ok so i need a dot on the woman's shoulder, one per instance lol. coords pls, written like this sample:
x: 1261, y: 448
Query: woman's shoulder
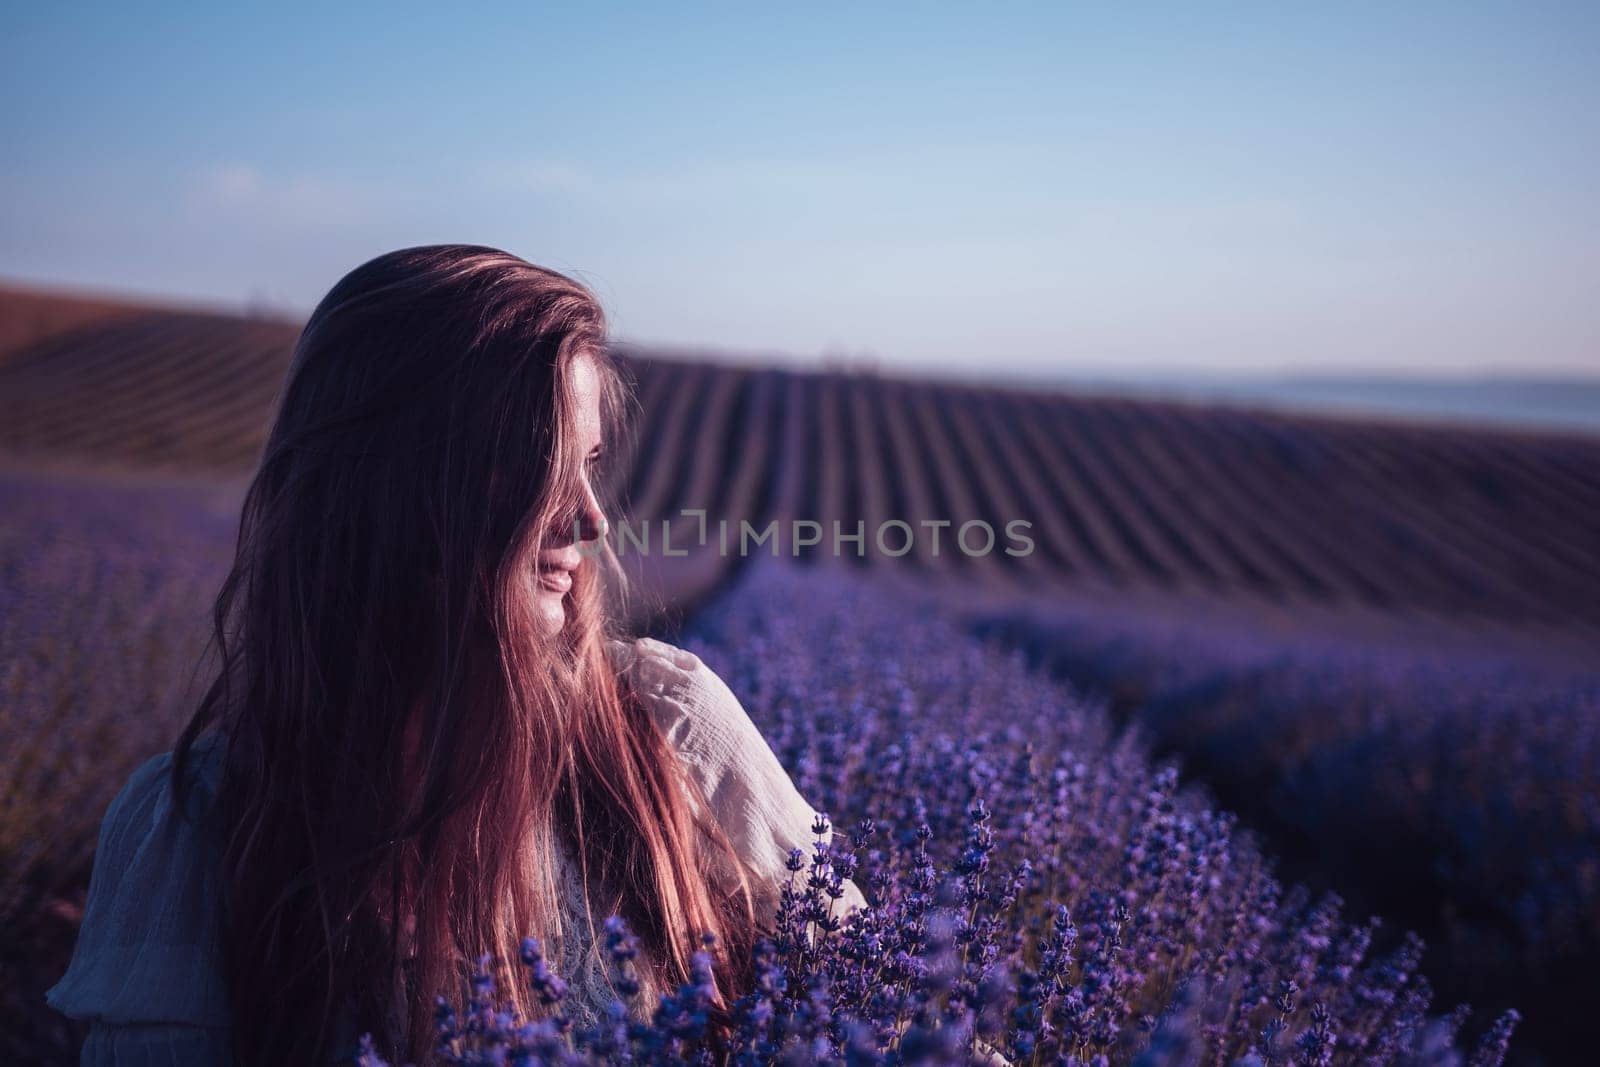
x: 651, y: 654
x: 147, y: 949
x: 748, y: 786
x: 141, y: 807
x: 694, y: 705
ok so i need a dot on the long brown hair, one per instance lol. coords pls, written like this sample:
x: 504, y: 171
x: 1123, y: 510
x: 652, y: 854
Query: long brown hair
x: 402, y: 741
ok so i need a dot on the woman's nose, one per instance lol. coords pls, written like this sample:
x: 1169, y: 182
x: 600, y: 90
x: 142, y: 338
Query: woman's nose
x: 592, y: 522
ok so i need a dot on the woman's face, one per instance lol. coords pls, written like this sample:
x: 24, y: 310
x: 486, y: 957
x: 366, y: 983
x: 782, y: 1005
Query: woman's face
x: 553, y: 576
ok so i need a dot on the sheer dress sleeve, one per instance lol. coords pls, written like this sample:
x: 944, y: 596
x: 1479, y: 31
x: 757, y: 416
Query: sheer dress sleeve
x: 144, y: 971
x: 751, y: 794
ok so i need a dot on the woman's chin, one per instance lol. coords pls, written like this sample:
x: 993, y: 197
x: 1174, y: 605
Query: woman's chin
x: 551, y: 613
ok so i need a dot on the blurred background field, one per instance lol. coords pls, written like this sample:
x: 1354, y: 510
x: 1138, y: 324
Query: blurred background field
x: 1277, y: 326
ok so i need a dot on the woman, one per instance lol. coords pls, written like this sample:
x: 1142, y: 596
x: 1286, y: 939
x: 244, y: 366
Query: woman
x: 425, y: 740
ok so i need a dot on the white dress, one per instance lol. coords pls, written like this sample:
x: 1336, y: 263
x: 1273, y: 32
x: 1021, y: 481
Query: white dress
x: 145, y: 970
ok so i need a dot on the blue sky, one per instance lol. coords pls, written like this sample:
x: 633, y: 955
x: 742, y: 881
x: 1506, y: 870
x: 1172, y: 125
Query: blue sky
x: 983, y: 189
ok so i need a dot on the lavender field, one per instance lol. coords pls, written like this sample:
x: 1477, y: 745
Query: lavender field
x: 1452, y: 786
x: 1372, y: 643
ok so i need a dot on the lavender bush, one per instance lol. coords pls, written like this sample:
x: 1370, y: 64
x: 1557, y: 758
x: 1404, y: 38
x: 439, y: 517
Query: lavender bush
x: 1454, y: 786
x: 1034, y: 882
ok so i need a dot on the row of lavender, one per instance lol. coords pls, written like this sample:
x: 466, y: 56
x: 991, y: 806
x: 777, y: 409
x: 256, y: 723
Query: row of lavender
x: 1454, y: 787
x: 1137, y: 493
x: 1035, y: 883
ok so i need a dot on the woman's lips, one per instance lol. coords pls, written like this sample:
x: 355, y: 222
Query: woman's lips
x: 555, y: 579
